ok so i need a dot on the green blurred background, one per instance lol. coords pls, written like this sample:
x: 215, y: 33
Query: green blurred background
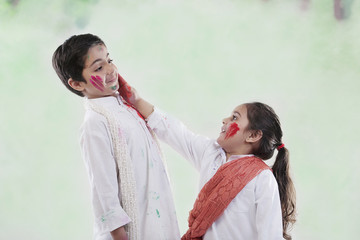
x: 196, y: 60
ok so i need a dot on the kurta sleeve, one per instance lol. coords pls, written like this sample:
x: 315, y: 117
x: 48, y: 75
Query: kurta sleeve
x: 176, y: 134
x: 96, y: 148
x: 268, y: 208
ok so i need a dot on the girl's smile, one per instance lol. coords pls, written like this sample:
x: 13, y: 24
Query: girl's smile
x: 233, y: 135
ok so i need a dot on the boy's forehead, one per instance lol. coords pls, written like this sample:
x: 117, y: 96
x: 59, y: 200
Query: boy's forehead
x: 96, y: 53
x: 97, y: 50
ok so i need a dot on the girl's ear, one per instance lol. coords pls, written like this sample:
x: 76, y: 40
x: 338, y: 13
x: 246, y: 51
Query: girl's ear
x: 79, y: 86
x: 254, y: 136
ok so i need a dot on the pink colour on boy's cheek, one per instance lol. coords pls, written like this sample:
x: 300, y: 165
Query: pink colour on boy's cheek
x: 98, y: 78
x: 97, y: 82
x: 96, y: 85
x: 233, y: 129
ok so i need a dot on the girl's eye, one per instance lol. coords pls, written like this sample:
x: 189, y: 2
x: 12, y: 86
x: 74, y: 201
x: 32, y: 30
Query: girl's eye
x: 234, y: 117
x: 110, y: 61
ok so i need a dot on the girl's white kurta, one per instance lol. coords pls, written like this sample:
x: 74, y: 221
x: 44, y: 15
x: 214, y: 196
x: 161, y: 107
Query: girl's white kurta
x: 255, y: 213
x: 156, y: 211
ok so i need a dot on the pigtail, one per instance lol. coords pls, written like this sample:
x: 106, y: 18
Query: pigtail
x: 262, y: 117
x: 281, y: 171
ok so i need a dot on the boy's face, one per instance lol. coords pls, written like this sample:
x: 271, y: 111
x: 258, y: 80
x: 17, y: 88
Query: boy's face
x: 100, y: 73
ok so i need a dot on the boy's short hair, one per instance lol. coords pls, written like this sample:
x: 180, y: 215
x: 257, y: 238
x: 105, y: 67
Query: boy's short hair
x: 69, y: 58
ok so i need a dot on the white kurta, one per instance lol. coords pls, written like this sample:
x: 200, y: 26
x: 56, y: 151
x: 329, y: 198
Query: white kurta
x: 156, y: 211
x: 255, y: 213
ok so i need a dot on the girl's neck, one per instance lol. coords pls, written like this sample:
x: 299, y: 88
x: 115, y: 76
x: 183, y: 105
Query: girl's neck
x: 245, y: 150
x: 228, y: 155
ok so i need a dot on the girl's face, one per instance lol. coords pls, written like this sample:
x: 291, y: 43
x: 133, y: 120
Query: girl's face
x: 100, y: 73
x: 233, y: 132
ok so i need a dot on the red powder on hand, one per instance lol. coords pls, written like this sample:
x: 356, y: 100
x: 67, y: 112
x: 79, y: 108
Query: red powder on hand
x: 124, y: 89
x: 126, y: 93
x: 232, y: 130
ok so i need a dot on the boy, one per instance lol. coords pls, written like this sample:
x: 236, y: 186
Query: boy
x: 131, y: 194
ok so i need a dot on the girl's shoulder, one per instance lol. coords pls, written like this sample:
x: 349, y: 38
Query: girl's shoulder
x: 265, y: 179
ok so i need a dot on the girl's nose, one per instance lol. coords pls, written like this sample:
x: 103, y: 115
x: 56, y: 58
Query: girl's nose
x: 226, y: 120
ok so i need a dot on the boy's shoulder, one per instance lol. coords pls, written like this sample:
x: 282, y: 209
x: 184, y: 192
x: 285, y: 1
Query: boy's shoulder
x: 93, y: 120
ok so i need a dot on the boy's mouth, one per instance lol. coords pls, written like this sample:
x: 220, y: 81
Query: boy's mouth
x: 111, y: 81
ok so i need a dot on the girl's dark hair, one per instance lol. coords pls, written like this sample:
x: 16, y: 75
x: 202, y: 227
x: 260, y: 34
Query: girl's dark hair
x: 262, y: 117
x: 69, y: 58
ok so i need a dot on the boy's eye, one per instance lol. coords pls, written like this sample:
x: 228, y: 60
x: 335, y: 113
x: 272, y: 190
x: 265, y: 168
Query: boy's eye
x: 234, y: 117
x: 101, y: 67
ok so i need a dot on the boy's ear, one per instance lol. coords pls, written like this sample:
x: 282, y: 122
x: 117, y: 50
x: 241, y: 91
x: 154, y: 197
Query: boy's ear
x: 254, y: 136
x: 79, y: 86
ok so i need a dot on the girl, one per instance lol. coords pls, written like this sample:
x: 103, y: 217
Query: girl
x: 240, y: 197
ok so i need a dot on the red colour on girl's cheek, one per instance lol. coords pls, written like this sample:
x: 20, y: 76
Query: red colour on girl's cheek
x: 232, y: 130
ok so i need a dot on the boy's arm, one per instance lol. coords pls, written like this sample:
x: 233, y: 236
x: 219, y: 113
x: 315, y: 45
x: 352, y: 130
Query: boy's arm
x: 96, y: 149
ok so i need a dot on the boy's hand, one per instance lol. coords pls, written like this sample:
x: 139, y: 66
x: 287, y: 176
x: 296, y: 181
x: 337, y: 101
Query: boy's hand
x: 128, y: 93
x: 119, y: 234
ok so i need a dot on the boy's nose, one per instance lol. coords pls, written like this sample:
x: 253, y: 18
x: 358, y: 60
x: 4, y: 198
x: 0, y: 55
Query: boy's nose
x: 110, y: 70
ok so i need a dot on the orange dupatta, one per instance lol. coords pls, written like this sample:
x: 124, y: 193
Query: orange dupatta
x: 219, y: 191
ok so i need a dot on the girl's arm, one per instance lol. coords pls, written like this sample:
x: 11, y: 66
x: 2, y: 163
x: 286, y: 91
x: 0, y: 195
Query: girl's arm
x: 131, y: 96
x: 168, y: 129
x: 268, y: 208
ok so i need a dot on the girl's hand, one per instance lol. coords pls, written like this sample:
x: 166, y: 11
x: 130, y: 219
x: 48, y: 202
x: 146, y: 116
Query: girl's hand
x: 128, y: 93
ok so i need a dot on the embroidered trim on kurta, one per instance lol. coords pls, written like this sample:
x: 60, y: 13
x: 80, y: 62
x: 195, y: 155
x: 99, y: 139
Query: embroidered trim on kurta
x: 126, y: 173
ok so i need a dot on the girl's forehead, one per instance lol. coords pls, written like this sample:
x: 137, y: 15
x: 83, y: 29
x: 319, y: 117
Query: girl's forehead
x: 241, y: 109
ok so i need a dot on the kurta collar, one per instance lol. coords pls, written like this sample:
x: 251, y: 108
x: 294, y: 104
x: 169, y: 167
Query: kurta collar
x: 234, y: 157
x: 107, y: 101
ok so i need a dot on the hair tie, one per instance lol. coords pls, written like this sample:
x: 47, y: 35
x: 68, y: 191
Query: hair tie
x: 281, y: 146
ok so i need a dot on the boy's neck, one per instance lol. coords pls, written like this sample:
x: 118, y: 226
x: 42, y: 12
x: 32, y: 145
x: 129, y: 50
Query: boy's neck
x: 111, y: 95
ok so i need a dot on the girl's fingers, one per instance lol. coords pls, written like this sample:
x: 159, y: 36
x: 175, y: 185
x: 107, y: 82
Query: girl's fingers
x: 121, y: 81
